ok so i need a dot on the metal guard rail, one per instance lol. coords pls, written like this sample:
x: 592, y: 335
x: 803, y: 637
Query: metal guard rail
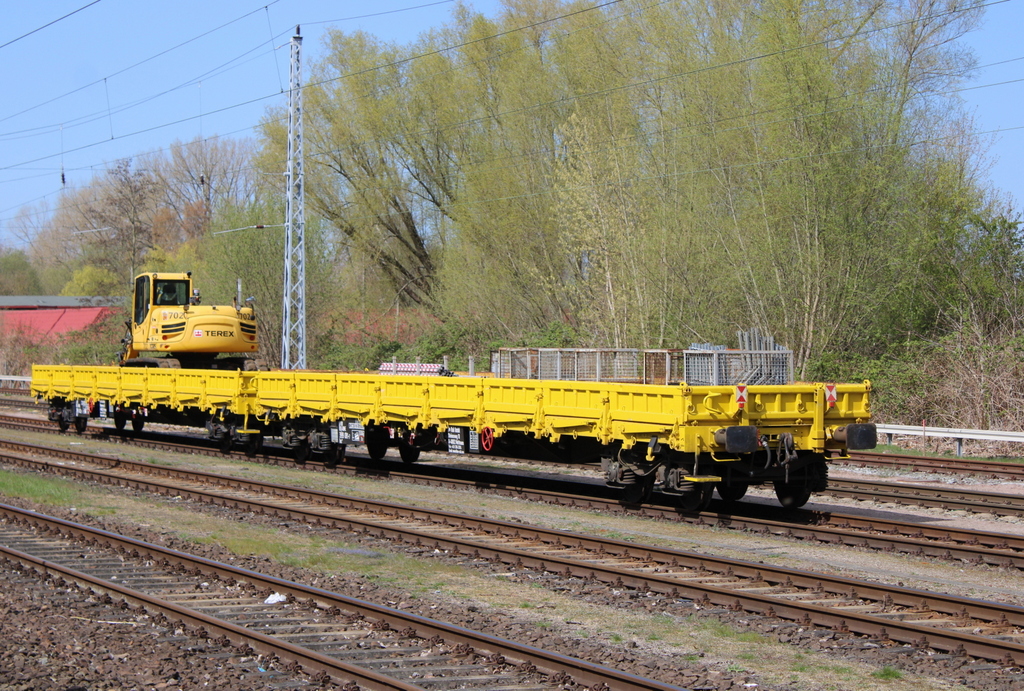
x: 950, y: 433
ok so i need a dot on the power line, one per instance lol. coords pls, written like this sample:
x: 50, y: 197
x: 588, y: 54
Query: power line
x: 100, y: 115
x: 103, y: 114
x: 380, y: 14
x: 15, y: 40
x: 577, y: 96
x: 137, y: 64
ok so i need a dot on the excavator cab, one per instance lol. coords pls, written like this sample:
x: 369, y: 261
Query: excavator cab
x: 168, y: 320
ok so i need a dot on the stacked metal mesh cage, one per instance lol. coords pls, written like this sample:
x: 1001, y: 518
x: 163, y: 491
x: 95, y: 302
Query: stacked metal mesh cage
x: 577, y: 364
x: 700, y: 366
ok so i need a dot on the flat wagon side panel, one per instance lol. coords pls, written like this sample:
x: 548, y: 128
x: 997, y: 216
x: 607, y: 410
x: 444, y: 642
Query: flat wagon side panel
x: 784, y: 402
x: 228, y: 389
x: 190, y: 390
x: 575, y: 408
x: 853, y: 401
x: 51, y: 381
x: 434, y: 401
x: 159, y: 385
x: 134, y: 386
x: 358, y: 396
x: 640, y: 412
x: 455, y: 401
x: 403, y: 398
x: 275, y: 391
x: 314, y: 394
x: 511, y: 404
x: 608, y: 411
x: 107, y: 383
x: 86, y: 382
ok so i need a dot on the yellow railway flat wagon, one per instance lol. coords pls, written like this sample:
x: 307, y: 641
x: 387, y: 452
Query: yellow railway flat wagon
x: 685, y: 440
x: 136, y: 394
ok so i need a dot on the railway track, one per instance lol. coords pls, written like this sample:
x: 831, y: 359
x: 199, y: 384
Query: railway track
x: 889, y: 615
x: 846, y: 529
x: 329, y: 634
x: 561, y: 490
x: 1009, y: 470
x: 948, y: 497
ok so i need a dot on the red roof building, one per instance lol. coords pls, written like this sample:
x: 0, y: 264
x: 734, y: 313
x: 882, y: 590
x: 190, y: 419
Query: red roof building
x: 44, y: 317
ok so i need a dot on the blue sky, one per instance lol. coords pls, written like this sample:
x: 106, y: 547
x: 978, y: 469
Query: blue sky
x: 77, y: 97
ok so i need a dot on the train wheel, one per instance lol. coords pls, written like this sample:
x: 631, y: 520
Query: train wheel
x: 226, y: 442
x: 138, y: 423
x: 697, y: 498
x: 409, y: 453
x: 792, y: 496
x: 334, y: 455
x: 303, y: 451
x: 376, y: 440
x: 640, y: 491
x: 119, y: 422
x: 253, y: 444
x: 733, y: 492
x: 63, y: 424
x: 80, y: 424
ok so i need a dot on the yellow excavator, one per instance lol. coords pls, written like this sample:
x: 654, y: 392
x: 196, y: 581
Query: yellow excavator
x: 169, y: 321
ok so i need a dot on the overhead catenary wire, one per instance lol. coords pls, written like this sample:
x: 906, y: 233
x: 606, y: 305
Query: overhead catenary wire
x: 224, y: 109
x: 719, y: 121
x: 49, y: 24
x: 504, y: 113
x: 273, y: 38
x: 410, y: 133
x: 139, y: 63
x: 193, y: 81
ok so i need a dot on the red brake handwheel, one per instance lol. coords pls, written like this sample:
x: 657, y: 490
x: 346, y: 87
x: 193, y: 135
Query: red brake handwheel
x: 487, y: 439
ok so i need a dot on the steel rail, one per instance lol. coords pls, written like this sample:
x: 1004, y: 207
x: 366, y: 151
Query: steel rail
x: 928, y: 495
x: 907, y: 462
x: 899, y: 493
x: 997, y: 549
x: 555, y: 664
x: 999, y: 469
x: 970, y: 546
x: 384, y: 520
x: 238, y: 635
x: 920, y: 495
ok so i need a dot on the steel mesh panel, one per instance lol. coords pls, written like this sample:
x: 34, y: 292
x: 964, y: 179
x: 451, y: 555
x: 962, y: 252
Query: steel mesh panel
x: 620, y: 365
x: 702, y: 366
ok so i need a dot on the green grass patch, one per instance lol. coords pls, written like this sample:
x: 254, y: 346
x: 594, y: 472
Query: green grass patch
x: 900, y: 451
x: 45, y: 490
x: 887, y: 673
x: 723, y: 630
x: 325, y: 556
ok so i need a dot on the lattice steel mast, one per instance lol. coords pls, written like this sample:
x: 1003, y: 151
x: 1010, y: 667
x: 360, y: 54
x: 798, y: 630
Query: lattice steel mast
x: 293, y: 333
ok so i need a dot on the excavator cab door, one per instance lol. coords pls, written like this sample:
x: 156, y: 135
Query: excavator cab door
x: 141, y: 300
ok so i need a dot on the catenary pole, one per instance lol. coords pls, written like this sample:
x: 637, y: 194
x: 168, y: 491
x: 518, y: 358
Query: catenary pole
x: 293, y: 333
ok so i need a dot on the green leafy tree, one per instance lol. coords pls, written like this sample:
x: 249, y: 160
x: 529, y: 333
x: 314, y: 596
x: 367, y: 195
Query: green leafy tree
x: 17, y: 275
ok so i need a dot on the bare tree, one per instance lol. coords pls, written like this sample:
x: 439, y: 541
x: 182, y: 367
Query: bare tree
x: 195, y: 180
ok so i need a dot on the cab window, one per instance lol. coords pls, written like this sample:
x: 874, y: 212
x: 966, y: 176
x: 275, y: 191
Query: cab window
x: 141, y: 298
x: 170, y: 293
